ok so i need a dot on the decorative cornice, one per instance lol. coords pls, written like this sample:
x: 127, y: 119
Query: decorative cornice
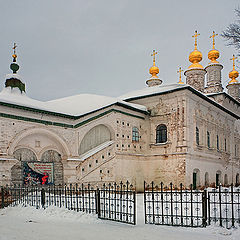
x: 205, y: 97
x: 33, y: 120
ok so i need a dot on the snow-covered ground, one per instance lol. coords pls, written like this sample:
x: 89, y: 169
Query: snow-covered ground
x: 24, y: 223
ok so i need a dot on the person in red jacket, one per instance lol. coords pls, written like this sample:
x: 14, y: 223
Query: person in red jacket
x: 44, y: 179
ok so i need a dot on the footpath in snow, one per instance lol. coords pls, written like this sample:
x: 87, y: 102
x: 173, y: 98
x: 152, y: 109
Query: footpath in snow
x: 24, y: 223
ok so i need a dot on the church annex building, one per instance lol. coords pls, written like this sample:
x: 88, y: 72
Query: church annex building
x: 180, y: 133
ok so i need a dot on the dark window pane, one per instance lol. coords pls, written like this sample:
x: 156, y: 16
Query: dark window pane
x: 161, y: 134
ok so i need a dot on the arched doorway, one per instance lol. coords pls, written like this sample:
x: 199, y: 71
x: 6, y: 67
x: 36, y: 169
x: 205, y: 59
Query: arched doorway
x: 52, y: 156
x: 22, y: 155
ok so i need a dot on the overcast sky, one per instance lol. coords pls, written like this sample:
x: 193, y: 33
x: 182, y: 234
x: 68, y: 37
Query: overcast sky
x: 104, y: 47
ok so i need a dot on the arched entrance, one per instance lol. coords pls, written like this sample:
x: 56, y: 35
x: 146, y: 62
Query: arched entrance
x: 29, y: 171
x: 39, y: 152
x: 52, y: 156
x: 22, y: 155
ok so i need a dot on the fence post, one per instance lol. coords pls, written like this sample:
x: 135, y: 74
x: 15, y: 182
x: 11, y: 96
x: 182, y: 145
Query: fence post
x: 171, y: 201
x: 220, y: 204
x: 2, y: 197
x: 204, y: 204
x: 134, y: 199
x: 43, y: 197
x: 98, y: 203
x: 232, y: 205
x: 145, y: 208
x: 153, y: 202
x: 181, y: 188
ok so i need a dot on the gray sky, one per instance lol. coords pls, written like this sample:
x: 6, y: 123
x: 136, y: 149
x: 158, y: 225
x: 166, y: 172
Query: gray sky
x: 104, y: 46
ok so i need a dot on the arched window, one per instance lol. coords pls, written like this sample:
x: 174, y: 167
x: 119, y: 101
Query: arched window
x: 197, y: 135
x: 196, y: 178
x: 225, y: 180
x: 206, y: 179
x: 218, y: 177
x: 135, y: 134
x: 217, y: 143
x: 208, y: 139
x: 94, y: 137
x: 237, y: 180
x: 161, y: 134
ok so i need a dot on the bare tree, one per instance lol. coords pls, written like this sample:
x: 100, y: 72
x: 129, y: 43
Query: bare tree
x: 232, y: 33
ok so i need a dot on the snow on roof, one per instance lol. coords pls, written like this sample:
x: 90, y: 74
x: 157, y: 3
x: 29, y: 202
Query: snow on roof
x: 85, y: 103
x: 76, y: 105
x: 152, y: 90
x: 14, y: 96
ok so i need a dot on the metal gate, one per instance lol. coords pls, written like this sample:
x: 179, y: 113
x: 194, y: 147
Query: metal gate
x: 117, y: 203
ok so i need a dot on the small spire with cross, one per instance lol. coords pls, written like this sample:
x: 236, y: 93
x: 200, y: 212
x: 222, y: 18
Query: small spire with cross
x: 14, y: 52
x: 180, y: 75
x: 154, y: 56
x: 195, y: 36
x: 233, y: 59
x: 213, y: 37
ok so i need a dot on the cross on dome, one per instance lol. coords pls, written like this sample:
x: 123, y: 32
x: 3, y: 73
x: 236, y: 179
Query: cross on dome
x: 213, y: 37
x: 180, y: 75
x: 14, y: 52
x: 195, y: 36
x: 233, y: 59
x: 154, y: 56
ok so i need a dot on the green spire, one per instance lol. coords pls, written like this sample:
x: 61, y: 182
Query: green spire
x: 14, y: 66
x: 13, y: 80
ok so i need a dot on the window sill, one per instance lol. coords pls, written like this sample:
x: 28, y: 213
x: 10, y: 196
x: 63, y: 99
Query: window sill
x: 160, y: 144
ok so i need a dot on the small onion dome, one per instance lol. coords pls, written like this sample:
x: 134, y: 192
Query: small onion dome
x: 233, y: 75
x: 14, y: 67
x: 154, y: 71
x: 213, y: 55
x: 195, y: 57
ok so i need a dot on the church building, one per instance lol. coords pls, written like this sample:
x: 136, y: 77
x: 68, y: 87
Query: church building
x: 180, y: 133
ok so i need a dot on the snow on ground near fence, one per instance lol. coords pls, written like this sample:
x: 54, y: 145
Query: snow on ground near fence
x: 54, y: 223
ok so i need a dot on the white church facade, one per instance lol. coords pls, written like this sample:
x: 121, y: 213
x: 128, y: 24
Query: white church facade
x: 179, y: 133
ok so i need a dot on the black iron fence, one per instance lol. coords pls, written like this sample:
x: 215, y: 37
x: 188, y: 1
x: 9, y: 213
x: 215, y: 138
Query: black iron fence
x: 117, y: 203
x: 112, y: 202
x: 180, y: 206
x: 224, y: 206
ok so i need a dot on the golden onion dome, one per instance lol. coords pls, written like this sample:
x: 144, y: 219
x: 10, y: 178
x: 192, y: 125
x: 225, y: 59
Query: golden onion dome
x: 195, y: 57
x: 154, y: 70
x: 234, y: 73
x: 213, y: 55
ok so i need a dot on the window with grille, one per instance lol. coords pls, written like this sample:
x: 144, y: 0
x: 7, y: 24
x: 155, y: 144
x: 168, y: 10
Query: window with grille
x: 135, y: 134
x: 161, y: 133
